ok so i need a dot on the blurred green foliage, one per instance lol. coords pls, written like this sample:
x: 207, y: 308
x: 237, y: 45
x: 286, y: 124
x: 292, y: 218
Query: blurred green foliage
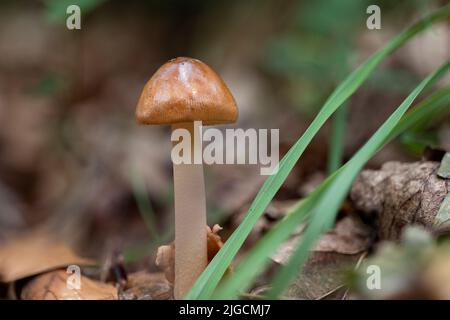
x: 49, y: 85
x: 314, y: 53
x: 416, y: 141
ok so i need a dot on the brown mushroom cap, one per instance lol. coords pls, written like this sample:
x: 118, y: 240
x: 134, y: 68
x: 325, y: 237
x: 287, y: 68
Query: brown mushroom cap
x: 186, y: 90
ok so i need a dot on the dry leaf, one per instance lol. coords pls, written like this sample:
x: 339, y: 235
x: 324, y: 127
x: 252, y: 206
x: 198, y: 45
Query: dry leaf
x: 33, y: 253
x: 146, y: 286
x: 53, y: 286
x: 165, y: 260
x: 323, y: 273
x: 335, y: 253
x: 400, y: 194
x: 349, y: 236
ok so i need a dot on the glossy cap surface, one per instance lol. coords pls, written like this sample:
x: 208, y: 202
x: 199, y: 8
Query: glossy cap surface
x: 186, y: 90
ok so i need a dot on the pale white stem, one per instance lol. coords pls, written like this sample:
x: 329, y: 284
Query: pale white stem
x: 190, y: 217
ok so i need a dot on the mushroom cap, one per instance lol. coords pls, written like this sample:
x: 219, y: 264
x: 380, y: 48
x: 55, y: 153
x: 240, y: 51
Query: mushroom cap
x: 186, y: 90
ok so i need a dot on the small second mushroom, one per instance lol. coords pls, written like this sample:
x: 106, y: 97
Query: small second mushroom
x: 185, y: 93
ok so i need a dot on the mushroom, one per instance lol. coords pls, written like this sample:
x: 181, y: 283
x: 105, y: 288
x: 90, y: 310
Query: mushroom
x: 185, y: 92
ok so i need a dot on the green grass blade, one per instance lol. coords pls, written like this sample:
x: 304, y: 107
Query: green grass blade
x: 209, y: 279
x: 337, y: 139
x: 325, y: 211
x: 438, y: 104
x: 257, y: 259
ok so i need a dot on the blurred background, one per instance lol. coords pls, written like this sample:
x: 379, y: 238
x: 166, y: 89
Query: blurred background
x: 73, y: 158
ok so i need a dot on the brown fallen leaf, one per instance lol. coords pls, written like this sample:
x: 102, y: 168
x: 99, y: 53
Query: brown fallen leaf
x: 400, y: 194
x: 165, y: 260
x: 165, y: 256
x: 336, y: 252
x: 349, y: 236
x: 146, y: 286
x: 323, y: 273
x: 33, y: 253
x: 53, y: 286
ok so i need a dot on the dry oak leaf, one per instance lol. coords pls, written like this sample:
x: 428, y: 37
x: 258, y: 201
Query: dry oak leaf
x: 400, y: 194
x: 165, y: 256
x: 349, y: 236
x: 336, y: 252
x: 53, y: 286
x: 33, y: 253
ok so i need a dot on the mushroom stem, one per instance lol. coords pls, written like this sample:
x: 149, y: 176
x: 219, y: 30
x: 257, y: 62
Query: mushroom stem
x: 190, y: 216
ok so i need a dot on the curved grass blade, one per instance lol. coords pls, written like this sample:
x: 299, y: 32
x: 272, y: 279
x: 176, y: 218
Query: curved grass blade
x: 209, y: 279
x: 337, y: 139
x: 438, y: 106
x: 257, y: 259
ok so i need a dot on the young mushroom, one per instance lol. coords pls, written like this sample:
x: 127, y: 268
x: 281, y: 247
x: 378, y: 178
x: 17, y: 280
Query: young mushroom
x: 185, y: 93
